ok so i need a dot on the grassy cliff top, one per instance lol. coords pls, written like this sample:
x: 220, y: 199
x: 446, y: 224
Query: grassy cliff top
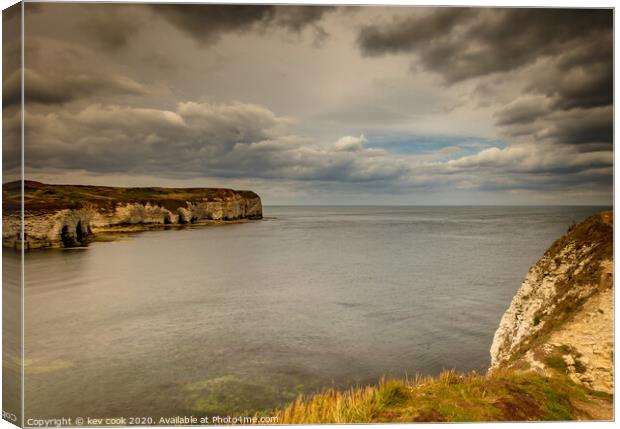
x: 595, y: 231
x: 453, y: 397
x: 42, y: 197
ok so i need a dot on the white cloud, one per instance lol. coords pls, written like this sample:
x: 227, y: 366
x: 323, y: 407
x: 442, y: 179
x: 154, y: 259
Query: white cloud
x: 350, y: 143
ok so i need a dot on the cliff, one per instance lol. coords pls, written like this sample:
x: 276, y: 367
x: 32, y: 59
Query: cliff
x: 552, y: 355
x: 70, y: 215
x: 561, y: 319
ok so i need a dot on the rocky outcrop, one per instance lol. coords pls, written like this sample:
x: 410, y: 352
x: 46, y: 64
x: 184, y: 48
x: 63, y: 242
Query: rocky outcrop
x: 59, y: 215
x: 561, y: 319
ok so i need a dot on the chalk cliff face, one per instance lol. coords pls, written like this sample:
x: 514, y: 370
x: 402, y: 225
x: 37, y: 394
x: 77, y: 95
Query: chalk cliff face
x: 562, y: 316
x: 60, y: 215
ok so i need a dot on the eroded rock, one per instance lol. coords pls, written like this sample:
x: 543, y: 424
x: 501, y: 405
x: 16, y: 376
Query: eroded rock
x: 561, y: 319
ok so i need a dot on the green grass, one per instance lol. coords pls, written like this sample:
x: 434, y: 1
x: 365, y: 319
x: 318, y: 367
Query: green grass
x: 556, y: 362
x: 453, y: 397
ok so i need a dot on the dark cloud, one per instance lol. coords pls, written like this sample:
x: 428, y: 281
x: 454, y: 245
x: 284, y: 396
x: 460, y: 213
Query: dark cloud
x: 410, y: 34
x: 461, y: 43
x: 93, y: 104
x: 11, y: 43
x: 11, y: 61
x: 563, y: 59
x: 296, y: 18
x: 581, y: 76
x: 523, y: 110
x: 58, y: 73
x: 11, y: 99
x: 207, y: 23
x: 582, y: 126
x: 532, y: 119
x: 112, y: 26
x: 59, y: 89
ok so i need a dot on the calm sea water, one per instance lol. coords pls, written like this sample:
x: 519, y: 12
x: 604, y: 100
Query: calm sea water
x: 237, y: 318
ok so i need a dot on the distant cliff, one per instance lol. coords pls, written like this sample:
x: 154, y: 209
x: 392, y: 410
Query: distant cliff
x: 561, y: 319
x: 69, y: 215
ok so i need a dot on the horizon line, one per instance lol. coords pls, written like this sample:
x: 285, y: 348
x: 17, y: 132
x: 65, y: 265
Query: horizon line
x: 438, y: 205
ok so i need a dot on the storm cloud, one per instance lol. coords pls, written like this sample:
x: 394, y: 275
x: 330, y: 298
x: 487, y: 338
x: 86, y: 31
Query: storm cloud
x: 424, y: 102
x: 462, y: 43
x: 113, y: 28
x: 58, y: 73
x: 560, y: 120
x: 207, y: 23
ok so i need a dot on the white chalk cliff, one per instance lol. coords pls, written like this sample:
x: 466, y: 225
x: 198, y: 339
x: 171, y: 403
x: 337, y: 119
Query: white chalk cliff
x: 561, y: 319
x: 47, y: 223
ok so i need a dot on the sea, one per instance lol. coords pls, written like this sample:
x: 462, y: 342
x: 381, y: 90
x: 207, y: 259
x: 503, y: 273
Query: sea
x: 235, y: 319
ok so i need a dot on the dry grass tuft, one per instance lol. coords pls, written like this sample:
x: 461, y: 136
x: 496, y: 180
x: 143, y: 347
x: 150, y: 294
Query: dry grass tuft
x: 452, y: 397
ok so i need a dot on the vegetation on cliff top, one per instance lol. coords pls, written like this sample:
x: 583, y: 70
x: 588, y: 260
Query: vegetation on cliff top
x: 453, y: 397
x: 43, y: 197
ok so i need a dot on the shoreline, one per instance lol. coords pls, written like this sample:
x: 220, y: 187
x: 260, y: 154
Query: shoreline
x: 116, y: 233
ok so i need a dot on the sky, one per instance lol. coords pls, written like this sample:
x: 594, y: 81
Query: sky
x: 320, y: 105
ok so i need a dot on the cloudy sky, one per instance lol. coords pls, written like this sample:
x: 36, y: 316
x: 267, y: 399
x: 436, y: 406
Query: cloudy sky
x: 321, y: 105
